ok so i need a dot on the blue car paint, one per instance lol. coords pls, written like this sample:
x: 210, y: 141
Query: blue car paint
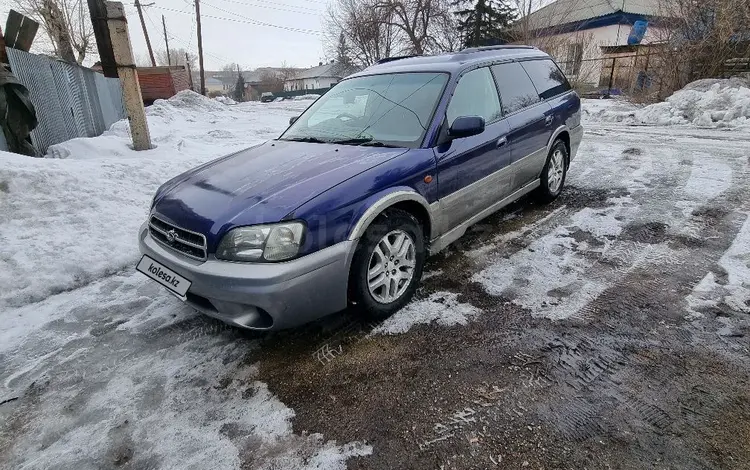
x: 330, y: 186
x: 331, y: 216
x: 465, y: 161
x: 243, y: 189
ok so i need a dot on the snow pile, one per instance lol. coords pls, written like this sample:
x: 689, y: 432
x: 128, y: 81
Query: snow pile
x: 731, y: 285
x: 309, y: 96
x: 705, y: 104
x: 67, y: 222
x: 442, y: 308
x: 225, y: 100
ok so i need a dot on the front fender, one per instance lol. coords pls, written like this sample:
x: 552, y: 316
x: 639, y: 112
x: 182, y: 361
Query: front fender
x: 377, y: 203
x: 345, y: 211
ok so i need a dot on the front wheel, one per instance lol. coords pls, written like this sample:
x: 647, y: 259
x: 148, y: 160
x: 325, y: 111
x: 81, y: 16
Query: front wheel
x: 387, y: 265
x: 554, y: 173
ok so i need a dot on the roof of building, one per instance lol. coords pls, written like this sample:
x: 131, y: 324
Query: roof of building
x: 564, y: 12
x: 257, y: 75
x: 331, y: 69
x: 213, y: 82
x: 453, y: 62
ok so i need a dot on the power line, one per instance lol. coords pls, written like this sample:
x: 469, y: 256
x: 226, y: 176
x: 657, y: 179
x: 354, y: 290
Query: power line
x: 245, y: 21
x: 261, y: 23
x: 263, y: 4
x: 188, y: 45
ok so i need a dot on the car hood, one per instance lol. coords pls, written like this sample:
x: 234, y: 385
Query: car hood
x: 262, y: 184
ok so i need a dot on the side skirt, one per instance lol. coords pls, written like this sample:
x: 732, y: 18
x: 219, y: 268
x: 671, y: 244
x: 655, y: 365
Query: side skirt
x: 454, y: 234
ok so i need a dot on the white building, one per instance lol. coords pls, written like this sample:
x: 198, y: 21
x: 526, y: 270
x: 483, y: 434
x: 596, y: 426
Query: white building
x: 315, y: 78
x: 584, y: 35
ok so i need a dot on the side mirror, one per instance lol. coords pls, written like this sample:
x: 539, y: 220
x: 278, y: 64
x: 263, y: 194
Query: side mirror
x: 466, y: 126
x: 293, y: 119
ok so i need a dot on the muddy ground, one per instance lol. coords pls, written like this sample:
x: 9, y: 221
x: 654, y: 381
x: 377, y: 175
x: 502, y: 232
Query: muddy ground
x: 614, y: 369
x: 627, y: 382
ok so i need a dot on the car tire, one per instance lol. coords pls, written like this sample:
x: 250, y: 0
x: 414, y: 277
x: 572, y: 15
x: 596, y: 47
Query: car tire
x: 393, y: 290
x: 553, y: 175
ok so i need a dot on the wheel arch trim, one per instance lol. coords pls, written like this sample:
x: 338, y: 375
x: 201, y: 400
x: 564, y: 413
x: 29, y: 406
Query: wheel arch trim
x: 555, y: 135
x: 383, y: 203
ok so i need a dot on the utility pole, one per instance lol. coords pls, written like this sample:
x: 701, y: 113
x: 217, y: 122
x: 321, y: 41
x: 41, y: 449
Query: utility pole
x: 166, y: 41
x: 145, y: 33
x: 131, y: 90
x: 200, y: 47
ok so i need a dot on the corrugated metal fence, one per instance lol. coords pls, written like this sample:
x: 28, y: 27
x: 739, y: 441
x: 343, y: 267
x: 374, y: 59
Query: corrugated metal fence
x: 70, y: 101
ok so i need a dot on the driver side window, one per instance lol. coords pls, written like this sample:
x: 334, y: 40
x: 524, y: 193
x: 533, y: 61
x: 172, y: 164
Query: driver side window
x: 475, y: 95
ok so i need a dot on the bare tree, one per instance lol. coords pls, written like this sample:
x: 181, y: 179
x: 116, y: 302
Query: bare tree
x: 66, y: 24
x: 176, y: 57
x: 367, y: 30
x: 420, y: 22
x: 271, y: 81
x: 701, y: 39
x: 287, y: 72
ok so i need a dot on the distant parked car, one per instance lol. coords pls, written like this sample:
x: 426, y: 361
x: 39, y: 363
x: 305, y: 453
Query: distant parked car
x: 392, y: 164
x: 266, y: 97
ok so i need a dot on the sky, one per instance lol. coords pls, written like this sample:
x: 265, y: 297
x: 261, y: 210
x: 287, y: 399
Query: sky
x: 252, y: 33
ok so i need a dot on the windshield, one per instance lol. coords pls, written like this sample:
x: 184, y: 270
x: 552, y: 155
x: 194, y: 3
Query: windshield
x: 389, y: 110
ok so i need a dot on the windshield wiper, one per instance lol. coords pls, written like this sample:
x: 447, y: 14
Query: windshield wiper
x: 312, y: 140
x: 363, y: 141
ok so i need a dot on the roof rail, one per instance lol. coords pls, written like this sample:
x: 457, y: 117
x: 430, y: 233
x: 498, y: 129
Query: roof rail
x: 493, y: 48
x: 391, y: 59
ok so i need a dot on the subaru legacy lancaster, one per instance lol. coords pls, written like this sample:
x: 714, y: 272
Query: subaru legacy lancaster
x: 391, y: 165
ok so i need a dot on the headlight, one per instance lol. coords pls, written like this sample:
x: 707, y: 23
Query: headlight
x: 276, y: 242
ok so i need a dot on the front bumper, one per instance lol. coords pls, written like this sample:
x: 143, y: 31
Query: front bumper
x: 262, y: 296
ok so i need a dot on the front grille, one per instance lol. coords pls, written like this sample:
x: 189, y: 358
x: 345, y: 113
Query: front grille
x: 188, y: 243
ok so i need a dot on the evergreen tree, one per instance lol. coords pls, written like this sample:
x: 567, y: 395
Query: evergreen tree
x: 484, y: 22
x: 239, y: 87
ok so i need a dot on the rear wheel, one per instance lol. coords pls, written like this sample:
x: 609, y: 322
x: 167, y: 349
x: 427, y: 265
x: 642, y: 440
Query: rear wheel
x: 387, y: 265
x: 553, y: 175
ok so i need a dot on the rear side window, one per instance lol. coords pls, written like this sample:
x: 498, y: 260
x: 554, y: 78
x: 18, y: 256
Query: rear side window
x: 547, y: 77
x: 516, y: 89
x: 475, y: 95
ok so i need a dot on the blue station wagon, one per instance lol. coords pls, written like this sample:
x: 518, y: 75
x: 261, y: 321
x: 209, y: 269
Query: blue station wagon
x: 392, y: 164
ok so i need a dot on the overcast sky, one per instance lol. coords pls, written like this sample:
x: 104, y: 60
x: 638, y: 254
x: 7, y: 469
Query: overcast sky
x: 253, y: 33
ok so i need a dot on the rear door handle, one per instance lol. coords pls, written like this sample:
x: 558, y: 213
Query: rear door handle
x: 549, y: 120
x: 502, y: 141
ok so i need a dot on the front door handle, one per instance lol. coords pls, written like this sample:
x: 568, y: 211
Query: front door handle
x: 549, y: 120
x: 502, y: 141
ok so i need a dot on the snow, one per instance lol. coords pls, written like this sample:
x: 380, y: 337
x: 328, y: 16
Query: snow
x: 225, y: 100
x: 307, y: 97
x: 67, y: 222
x: 734, y: 289
x: 191, y: 402
x: 703, y: 104
x: 442, y: 308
